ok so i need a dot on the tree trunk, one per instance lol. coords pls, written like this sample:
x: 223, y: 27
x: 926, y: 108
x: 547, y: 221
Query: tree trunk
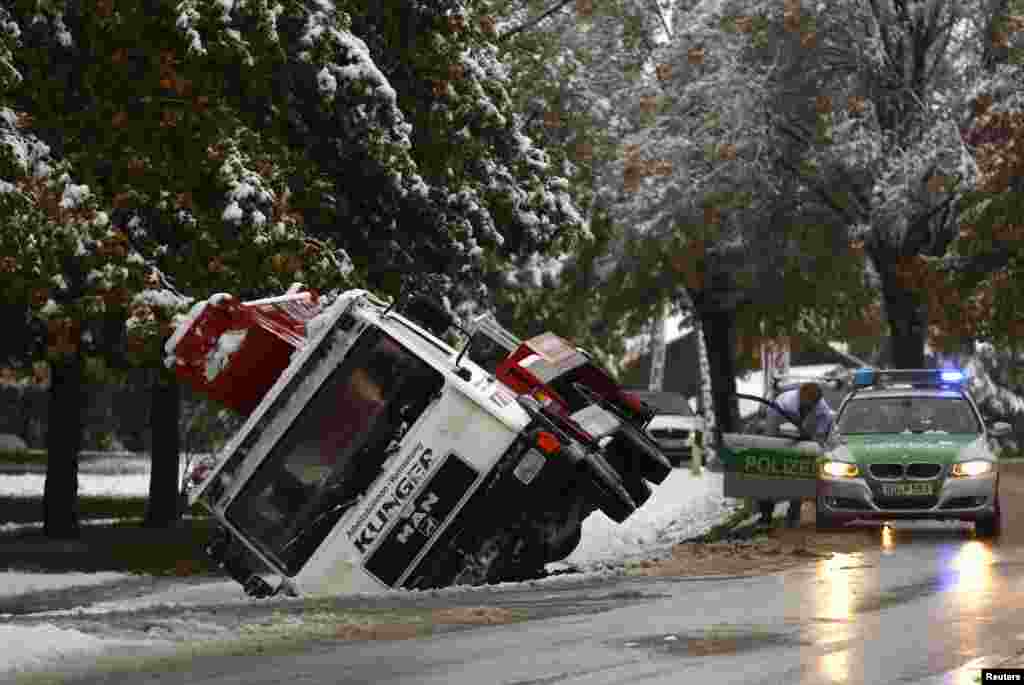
x: 907, y: 315
x: 63, y: 443
x: 720, y: 335
x: 164, y: 509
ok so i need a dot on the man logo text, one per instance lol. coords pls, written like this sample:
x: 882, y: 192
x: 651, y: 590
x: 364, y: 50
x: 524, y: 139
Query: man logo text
x: 393, y: 501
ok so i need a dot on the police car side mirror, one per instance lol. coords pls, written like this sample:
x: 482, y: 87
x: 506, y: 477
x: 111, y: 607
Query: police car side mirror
x: 790, y: 431
x: 999, y: 429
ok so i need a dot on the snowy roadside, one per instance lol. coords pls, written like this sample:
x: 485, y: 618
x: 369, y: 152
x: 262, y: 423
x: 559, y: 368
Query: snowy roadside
x: 683, y: 506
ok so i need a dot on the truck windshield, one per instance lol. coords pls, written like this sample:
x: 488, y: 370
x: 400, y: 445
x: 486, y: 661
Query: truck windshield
x: 334, y: 450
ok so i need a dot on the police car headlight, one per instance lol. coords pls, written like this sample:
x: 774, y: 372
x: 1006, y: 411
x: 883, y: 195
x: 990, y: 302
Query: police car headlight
x: 839, y: 469
x: 966, y: 469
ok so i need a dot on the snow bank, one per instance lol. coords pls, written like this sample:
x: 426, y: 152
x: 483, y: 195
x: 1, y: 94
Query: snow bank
x: 31, y: 485
x: 32, y: 647
x: 219, y: 593
x: 18, y: 583
x: 17, y: 527
x: 683, y: 506
x: 105, y: 476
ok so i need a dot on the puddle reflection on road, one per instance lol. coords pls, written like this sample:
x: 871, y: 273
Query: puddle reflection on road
x: 835, y: 591
x: 973, y: 565
x: 835, y: 600
x: 888, y: 540
x: 969, y: 584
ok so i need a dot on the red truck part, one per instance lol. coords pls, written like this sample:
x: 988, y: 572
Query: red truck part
x: 234, y: 351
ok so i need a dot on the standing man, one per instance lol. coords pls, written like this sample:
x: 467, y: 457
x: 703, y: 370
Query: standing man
x: 815, y: 418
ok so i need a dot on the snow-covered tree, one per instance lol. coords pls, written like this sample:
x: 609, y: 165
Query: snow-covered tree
x: 242, y: 146
x: 570, y: 62
x: 704, y: 189
x: 887, y: 157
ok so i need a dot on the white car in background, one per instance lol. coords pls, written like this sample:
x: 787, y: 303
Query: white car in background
x: 673, y: 424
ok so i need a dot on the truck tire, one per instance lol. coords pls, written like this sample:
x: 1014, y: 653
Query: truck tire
x: 509, y: 555
x: 566, y: 543
x: 641, y: 453
x: 609, y: 491
x: 477, y: 568
x: 638, y: 489
x: 605, y: 484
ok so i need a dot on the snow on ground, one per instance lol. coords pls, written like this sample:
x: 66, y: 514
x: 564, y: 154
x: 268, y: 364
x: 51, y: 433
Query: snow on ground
x: 33, y: 647
x: 217, y: 592
x: 115, y: 476
x: 17, y: 583
x: 31, y: 485
x: 683, y: 506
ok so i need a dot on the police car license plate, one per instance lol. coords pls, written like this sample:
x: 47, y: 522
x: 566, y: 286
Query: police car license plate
x: 907, y: 490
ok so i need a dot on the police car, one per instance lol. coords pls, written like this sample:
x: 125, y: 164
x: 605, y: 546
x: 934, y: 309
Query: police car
x: 910, y: 444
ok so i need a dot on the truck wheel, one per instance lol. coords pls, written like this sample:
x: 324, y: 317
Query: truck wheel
x: 610, y: 493
x: 477, y: 568
x: 607, y: 490
x: 638, y: 489
x: 507, y: 556
x: 566, y: 543
x: 641, y: 453
x: 991, y: 527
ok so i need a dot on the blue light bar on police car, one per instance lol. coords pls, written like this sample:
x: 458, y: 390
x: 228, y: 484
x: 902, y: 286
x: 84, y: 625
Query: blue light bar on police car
x: 867, y: 377
x: 863, y: 378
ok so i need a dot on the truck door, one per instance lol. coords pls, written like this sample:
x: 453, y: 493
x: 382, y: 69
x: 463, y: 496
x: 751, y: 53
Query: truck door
x: 768, y: 467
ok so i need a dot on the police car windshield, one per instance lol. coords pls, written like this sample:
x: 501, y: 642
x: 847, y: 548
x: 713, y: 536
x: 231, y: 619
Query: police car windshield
x: 334, y: 449
x: 907, y: 414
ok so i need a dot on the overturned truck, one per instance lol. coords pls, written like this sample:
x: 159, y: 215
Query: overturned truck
x: 374, y: 455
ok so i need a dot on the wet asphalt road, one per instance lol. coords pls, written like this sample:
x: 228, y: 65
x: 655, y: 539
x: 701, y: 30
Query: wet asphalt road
x: 925, y: 606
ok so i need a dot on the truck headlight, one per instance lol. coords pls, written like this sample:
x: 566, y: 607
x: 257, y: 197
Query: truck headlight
x: 967, y: 469
x: 839, y: 469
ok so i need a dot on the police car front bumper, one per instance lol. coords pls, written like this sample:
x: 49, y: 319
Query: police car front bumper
x: 965, y: 499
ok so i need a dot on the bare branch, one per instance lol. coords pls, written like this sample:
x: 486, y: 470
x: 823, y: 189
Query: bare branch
x: 664, y: 20
x: 533, y: 22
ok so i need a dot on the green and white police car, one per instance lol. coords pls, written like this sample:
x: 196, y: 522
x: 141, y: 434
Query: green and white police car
x: 910, y: 444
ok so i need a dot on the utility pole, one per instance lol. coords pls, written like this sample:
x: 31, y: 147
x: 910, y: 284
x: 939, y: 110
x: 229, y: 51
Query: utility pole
x: 657, y: 379
x: 707, y: 404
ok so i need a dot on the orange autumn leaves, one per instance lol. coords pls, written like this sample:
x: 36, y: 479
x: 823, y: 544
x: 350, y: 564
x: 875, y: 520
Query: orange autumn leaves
x: 637, y: 169
x: 953, y: 315
x: 171, y: 84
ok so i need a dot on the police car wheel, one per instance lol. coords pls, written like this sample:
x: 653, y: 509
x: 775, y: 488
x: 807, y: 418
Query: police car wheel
x: 824, y: 522
x: 990, y: 527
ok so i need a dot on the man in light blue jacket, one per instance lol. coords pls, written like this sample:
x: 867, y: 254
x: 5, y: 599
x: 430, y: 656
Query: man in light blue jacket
x: 814, y: 417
